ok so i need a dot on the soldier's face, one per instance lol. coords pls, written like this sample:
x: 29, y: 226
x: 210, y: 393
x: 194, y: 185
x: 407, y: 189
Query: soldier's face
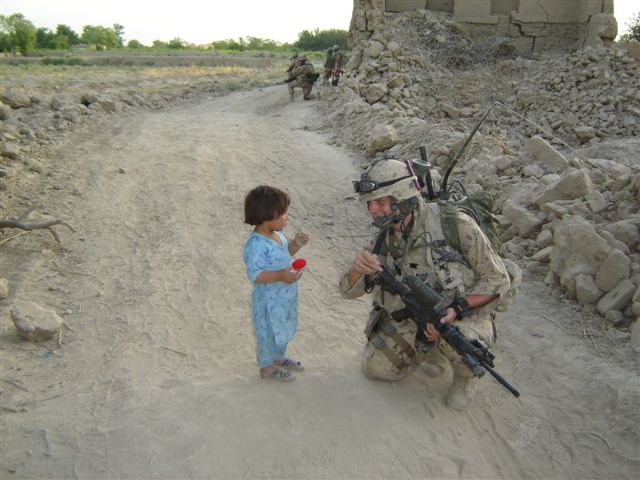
x: 379, y: 207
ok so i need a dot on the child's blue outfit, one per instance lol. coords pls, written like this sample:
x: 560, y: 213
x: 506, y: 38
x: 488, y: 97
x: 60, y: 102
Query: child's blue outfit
x: 274, y: 305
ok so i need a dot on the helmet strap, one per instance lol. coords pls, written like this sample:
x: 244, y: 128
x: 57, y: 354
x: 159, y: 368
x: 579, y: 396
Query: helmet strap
x: 399, y: 212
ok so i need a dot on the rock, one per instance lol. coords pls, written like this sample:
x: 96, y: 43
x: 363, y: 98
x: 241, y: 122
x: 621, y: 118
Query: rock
x: 543, y: 255
x: 544, y: 238
x: 585, y: 133
x: 549, y: 157
x: 374, y: 92
x: 578, y: 249
x: 586, y: 290
x: 373, y: 49
x: 635, y: 336
x: 633, y: 49
x: 34, y: 322
x: 626, y: 232
x: 614, y: 269
x: 525, y: 221
x: 10, y: 150
x: 451, y: 111
x: 571, y: 186
x: 15, y: 99
x: 596, y: 201
x: 614, y: 243
x: 5, y: 112
x: 4, y: 288
x: 618, y: 298
x: 381, y: 138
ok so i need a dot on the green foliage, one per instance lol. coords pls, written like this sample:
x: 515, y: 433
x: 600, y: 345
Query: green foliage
x: 18, y: 34
x: 44, y: 38
x: 101, y: 37
x: 253, y: 44
x: 62, y: 39
x: 119, y: 31
x: 176, y: 44
x: 61, y: 42
x: 633, y: 29
x: 65, y: 31
x: 134, y: 44
x: 63, y: 61
x: 321, y: 39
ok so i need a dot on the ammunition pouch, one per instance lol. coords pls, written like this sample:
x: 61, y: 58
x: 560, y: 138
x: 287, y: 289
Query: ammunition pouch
x: 380, y: 329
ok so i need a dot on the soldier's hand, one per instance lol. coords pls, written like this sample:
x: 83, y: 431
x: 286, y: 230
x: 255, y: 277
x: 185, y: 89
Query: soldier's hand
x: 431, y: 333
x: 366, y: 263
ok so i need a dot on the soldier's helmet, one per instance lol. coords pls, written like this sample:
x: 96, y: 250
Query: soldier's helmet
x: 387, y: 178
x: 302, y: 58
x: 335, y: 48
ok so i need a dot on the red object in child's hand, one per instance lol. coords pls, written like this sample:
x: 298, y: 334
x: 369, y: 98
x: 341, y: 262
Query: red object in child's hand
x: 299, y: 264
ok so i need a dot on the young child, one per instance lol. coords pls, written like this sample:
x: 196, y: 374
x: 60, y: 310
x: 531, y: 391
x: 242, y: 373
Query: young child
x: 268, y: 256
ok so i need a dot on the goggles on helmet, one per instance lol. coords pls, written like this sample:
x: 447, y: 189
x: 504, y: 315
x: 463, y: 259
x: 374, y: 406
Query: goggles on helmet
x: 367, y: 186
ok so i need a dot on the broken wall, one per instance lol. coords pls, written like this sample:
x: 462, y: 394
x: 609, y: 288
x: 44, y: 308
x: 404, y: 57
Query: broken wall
x: 532, y: 26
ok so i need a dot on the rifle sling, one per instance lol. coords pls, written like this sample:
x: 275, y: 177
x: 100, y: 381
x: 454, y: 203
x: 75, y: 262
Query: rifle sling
x: 392, y: 332
x: 379, y: 343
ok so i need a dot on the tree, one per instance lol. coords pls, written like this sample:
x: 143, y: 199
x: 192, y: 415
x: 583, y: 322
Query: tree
x: 18, y: 34
x: 134, y: 44
x: 321, y: 39
x: 45, y: 38
x: 119, y: 31
x: 101, y: 37
x: 633, y: 29
x: 176, y: 44
x: 64, y: 30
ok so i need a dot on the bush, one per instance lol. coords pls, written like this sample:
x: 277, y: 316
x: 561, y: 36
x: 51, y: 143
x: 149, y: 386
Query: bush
x: 63, y: 61
x: 134, y: 44
x: 633, y: 29
x: 321, y: 39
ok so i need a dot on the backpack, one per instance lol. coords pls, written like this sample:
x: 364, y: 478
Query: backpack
x: 480, y: 206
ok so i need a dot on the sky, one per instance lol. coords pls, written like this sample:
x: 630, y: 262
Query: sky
x: 193, y: 21
x: 205, y: 21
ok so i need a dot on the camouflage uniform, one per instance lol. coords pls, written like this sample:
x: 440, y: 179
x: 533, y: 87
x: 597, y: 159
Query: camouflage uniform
x: 293, y: 63
x: 389, y: 353
x: 302, y: 73
x: 329, y: 62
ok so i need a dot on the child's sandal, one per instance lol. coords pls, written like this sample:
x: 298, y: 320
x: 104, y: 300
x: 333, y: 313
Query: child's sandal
x: 290, y: 364
x: 279, y: 374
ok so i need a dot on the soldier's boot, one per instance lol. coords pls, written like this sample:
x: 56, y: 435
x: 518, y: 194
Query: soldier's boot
x: 461, y: 392
x: 434, y: 366
x: 291, y: 96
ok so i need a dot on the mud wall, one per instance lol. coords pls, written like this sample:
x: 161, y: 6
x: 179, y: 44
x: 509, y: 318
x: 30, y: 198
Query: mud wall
x: 532, y: 26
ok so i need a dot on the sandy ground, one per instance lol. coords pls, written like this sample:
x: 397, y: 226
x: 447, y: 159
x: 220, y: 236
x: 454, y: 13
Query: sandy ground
x: 155, y: 377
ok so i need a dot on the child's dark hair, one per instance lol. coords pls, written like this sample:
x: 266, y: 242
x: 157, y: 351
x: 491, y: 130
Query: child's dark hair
x: 264, y: 203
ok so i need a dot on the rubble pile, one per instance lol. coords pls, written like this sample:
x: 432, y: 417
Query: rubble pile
x: 560, y: 151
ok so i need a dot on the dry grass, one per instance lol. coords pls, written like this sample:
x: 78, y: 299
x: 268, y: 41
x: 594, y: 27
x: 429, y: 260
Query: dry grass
x: 36, y: 79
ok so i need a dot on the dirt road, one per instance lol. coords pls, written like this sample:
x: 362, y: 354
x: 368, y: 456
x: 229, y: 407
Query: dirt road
x: 156, y: 377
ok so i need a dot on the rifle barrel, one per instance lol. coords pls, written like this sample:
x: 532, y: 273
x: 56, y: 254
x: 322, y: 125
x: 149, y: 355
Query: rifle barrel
x: 500, y: 379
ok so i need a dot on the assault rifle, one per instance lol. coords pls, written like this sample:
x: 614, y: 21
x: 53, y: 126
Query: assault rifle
x: 308, y: 77
x: 424, y: 305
